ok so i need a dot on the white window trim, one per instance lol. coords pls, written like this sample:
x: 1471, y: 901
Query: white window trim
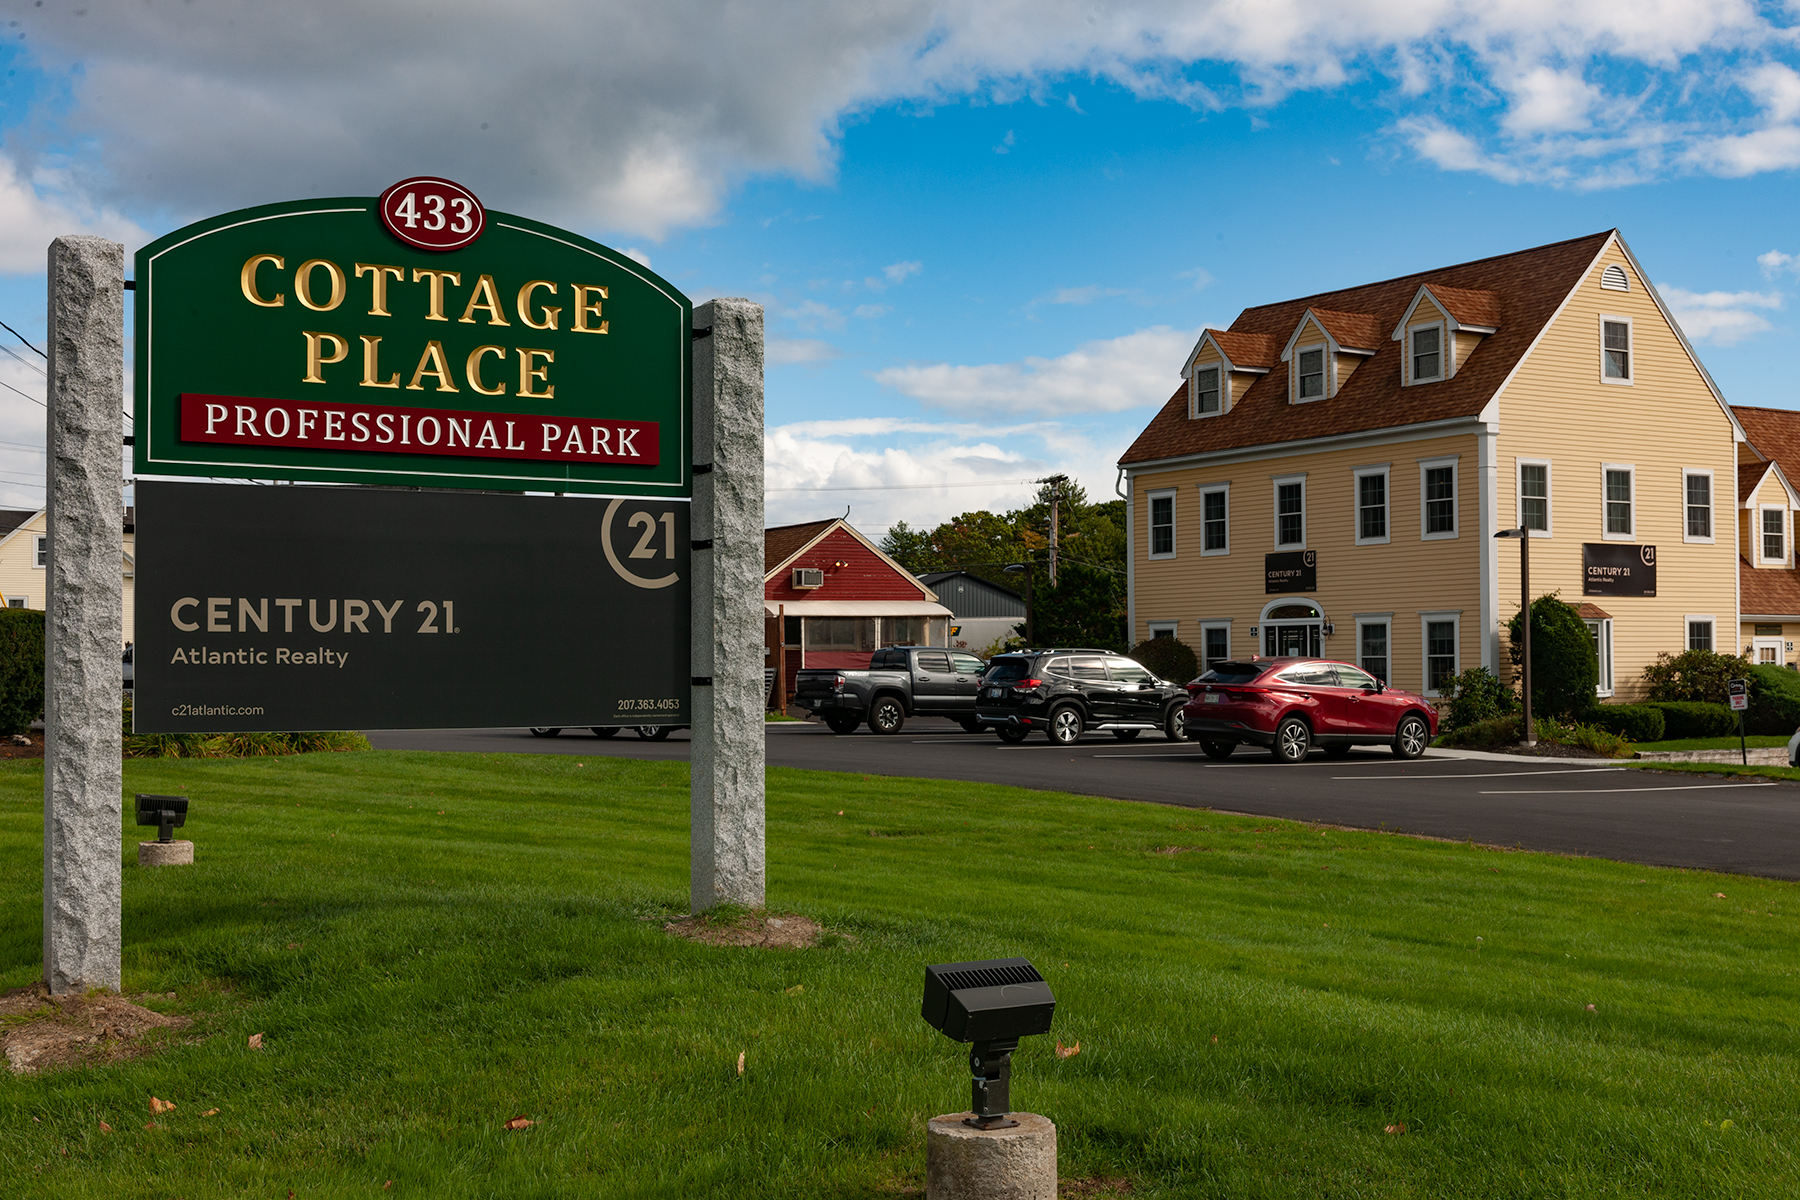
x: 1605, y: 534
x: 1204, y: 489
x: 1387, y: 503
x: 40, y: 548
x: 1205, y: 625
x: 1549, y: 528
x: 1357, y: 621
x: 1275, y: 483
x: 1787, y: 535
x: 1173, y: 496
x: 23, y: 601
x: 1446, y: 352
x: 1453, y: 615
x: 1631, y: 362
x: 1712, y: 510
x: 1194, y: 412
x: 1699, y: 619
x: 1328, y: 362
x: 1172, y: 628
x: 1603, y: 681
x: 1426, y: 464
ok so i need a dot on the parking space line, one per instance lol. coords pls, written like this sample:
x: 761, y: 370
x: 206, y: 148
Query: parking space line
x: 1686, y: 787
x: 1498, y: 774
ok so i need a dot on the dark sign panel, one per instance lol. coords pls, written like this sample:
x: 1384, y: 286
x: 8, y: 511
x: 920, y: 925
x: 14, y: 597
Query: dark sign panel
x: 1617, y: 569
x: 293, y: 608
x: 1291, y: 571
x: 415, y: 339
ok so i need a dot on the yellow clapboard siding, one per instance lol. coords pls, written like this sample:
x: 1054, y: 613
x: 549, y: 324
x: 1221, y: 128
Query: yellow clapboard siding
x: 1465, y: 346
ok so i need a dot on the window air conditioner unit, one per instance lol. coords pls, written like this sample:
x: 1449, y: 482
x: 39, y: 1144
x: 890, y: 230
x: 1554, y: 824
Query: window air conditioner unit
x: 809, y: 577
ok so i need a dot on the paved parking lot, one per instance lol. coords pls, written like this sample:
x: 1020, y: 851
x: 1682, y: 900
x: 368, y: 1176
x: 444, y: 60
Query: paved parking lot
x: 1665, y: 819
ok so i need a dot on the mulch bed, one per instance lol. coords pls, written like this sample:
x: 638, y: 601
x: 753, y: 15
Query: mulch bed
x: 33, y: 749
x: 776, y: 931
x: 42, y: 1031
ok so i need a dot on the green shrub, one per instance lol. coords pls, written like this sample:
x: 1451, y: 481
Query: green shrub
x: 232, y: 745
x: 1502, y: 732
x: 1635, y: 722
x: 1167, y: 658
x: 1694, y: 675
x: 1564, y: 666
x: 21, y: 669
x: 1475, y: 695
x: 1694, y: 719
x: 1484, y: 735
x: 1600, y: 741
x: 1774, y: 700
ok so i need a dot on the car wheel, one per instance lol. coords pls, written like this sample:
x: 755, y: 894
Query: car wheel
x: 1292, y: 740
x: 1218, y: 749
x: 1012, y: 734
x: 604, y: 730
x: 545, y: 731
x: 653, y: 733
x: 1411, y: 738
x: 842, y: 724
x: 1125, y: 735
x: 1337, y: 750
x: 1174, y: 723
x: 971, y: 725
x: 1065, y: 726
x: 887, y: 715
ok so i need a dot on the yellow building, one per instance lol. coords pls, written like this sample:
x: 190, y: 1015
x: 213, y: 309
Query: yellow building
x: 23, y: 554
x: 1768, y: 468
x: 1330, y: 475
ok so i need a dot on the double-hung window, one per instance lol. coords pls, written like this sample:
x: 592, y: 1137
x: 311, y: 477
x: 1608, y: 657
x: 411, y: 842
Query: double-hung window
x: 1372, y: 646
x: 1310, y: 372
x: 1441, y: 655
x: 1215, y: 643
x: 1437, y: 486
x: 1700, y: 633
x: 1619, y: 484
x: 1215, y: 520
x: 1615, y: 349
x: 1371, y: 505
x: 1774, y: 535
x: 1290, y: 512
x: 1696, y: 488
x: 1534, y: 495
x: 43, y: 551
x: 1162, y: 524
x: 1428, y: 354
x: 1206, y: 392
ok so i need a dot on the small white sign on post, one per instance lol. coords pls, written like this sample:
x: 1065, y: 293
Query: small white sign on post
x: 1740, y: 695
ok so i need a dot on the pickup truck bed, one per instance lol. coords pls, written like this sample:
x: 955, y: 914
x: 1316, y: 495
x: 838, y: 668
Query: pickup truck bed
x: 900, y: 682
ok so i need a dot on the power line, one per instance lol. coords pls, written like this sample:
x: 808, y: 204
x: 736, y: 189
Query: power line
x: 22, y: 359
x: 21, y: 337
x: 9, y: 387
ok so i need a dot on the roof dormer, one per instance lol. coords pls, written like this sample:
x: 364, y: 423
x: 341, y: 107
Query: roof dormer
x: 1325, y: 348
x: 1441, y: 328
x: 1221, y: 369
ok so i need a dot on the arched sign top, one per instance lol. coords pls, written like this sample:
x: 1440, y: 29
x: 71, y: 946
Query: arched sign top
x: 432, y: 213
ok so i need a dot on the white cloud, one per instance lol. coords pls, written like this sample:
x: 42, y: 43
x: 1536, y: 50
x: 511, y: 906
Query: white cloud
x: 1719, y: 317
x: 1774, y: 262
x: 32, y: 216
x: 1200, y: 275
x: 792, y: 351
x: 1133, y: 371
x: 1548, y: 100
x: 897, y: 272
x: 870, y: 311
x: 810, y: 315
x: 1006, y: 143
x: 636, y: 255
x: 1081, y: 295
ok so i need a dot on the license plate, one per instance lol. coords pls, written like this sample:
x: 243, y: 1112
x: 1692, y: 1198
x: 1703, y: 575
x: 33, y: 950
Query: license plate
x: 994, y: 693
x: 1209, y: 697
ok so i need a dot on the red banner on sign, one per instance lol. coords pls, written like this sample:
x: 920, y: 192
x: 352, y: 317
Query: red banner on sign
x: 388, y: 429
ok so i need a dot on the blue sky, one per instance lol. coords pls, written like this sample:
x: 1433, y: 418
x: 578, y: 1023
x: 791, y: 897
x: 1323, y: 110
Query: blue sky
x: 985, y: 234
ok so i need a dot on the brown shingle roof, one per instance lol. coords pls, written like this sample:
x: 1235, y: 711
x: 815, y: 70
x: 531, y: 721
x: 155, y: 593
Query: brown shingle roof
x: 1749, y: 475
x: 1247, y: 349
x: 1768, y: 592
x: 1528, y: 285
x: 784, y: 541
x: 1353, y: 330
x: 1469, y: 306
x: 1774, y: 433
x: 12, y: 518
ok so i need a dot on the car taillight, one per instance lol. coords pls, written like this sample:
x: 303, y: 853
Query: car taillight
x: 838, y: 681
x: 1028, y: 685
x: 1194, y: 689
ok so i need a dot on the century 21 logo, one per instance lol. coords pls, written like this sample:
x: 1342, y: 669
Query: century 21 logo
x: 646, y: 544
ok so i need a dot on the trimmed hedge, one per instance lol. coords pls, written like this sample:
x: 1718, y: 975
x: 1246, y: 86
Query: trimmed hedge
x: 1694, y: 719
x: 21, y: 669
x: 1167, y: 658
x: 1774, y: 700
x: 1633, y: 722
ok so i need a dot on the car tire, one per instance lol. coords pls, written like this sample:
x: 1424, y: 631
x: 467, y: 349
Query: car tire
x: 545, y: 731
x: 1217, y: 749
x: 1174, y: 723
x: 1065, y: 725
x: 842, y: 724
x: 653, y: 733
x: 1337, y: 750
x: 1012, y: 735
x: 604, y: 730
x: 1292, y: 740
x: 1125, y: 735
x: 1411, y: 736
x: 886, y: 715
x: 971, y: 725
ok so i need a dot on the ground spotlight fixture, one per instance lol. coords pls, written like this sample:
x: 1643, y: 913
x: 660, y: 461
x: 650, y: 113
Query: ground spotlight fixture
x: 992, y: 1004
x: 167, y: 813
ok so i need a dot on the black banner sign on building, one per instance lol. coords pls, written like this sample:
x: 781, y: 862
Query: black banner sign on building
x: 1291, y: 571
x: 274, y: 608
x: 1617, y: 569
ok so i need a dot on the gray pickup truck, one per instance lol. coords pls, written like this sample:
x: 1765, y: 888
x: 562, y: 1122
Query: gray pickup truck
x: 902, y: 681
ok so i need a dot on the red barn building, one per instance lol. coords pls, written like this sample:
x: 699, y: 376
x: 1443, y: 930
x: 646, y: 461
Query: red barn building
x: 831, y: 598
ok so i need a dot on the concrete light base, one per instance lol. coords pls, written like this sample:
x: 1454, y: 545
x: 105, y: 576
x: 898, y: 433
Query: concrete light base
x: 165, y: 854
x: 962, y: 1163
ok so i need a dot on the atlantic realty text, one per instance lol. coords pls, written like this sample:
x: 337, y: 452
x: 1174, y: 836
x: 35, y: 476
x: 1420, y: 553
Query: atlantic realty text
x: 199, y: 656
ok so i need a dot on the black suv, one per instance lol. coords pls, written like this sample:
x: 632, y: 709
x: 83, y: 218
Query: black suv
x: 1065, y: 692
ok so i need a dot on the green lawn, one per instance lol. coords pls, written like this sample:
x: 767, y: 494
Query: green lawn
x: 432, y: 944
x: 1722, y: 743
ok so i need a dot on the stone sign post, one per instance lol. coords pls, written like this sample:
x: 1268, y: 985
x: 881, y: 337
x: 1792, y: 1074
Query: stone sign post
x: 83, y: 630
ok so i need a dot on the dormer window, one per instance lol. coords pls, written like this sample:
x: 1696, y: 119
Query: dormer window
x: 1206, y: 392
x: 1428, y: 354
x: 1311, y: 373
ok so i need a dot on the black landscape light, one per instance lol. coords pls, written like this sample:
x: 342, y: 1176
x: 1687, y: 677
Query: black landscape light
x: 993, y: 1004
x: 167, y: 813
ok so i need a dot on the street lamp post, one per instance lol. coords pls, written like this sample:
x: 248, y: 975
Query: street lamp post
x: 1030, y: 613
x: 1524, y: 536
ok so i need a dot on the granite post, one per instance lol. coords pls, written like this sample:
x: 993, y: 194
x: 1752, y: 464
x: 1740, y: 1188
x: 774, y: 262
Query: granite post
x: 1013, y: 1163
x: 727, y: 621
x: 84, y: 612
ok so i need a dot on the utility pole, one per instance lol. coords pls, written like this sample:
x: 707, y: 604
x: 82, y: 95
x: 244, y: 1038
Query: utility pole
x: 1056, y: 483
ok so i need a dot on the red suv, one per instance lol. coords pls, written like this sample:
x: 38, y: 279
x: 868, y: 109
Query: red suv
x: 1293, y: 704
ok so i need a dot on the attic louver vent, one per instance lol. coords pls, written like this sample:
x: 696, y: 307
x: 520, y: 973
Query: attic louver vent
x: 809, y: 577
x: 1614, y: 279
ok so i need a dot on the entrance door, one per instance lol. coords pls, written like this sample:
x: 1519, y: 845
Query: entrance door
x: 1767, y: 651
x: 1296, y: 640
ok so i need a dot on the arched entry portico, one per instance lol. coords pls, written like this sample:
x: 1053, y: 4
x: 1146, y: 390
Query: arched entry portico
x: 1292, y: 627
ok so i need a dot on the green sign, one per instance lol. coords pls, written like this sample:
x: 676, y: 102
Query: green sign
x: 410, y: 340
